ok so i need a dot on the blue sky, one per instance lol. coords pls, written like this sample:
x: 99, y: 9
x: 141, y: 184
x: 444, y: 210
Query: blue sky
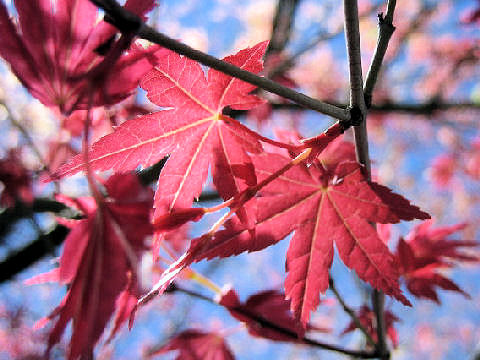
x: 250, y: 273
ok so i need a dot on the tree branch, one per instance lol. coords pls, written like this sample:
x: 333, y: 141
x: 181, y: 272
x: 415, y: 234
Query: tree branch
x: 420, y: 18
x: 268, y: 324
x: 427, y: 108
x: 31, y: 253
x: 28, y: 138
x: 282, y: 26
x: 378, y: 302
x: 357, y: 100
x: 126, y: 21
x: 22, y: 210
x: 352, y: 35
x: 385, y: 32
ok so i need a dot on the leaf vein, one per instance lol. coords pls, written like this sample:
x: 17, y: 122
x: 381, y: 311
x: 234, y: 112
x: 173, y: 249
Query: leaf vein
x: 186, y: 92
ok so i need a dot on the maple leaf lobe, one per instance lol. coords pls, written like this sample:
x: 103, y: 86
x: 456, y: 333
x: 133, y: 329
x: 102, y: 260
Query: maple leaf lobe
x: 193, y: 120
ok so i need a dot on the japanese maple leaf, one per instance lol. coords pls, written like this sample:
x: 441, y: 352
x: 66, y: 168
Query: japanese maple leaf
x: 322, y: 206
x: 429, y: 241
x: 196, y: 344
x: 192, y: 131
x: 425, y: 253
x: 124, y: 305
x: 56, y: 43
x: 367, y: 318
x: 266, y: 315
x: 102, y: 122
x: 99, y: 262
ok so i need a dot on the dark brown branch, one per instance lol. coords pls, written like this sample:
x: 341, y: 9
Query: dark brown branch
x: 386, y: 30
x: 428, y: 108
x: 31, y: 253
x: 263, y: 83
x: 357, y: 100
x: 281, y: 33
x: 352, y: 35
x: 126, y: 21
x: 22, y: 210
x: 268, y: 324
x: 421, y: 17
x: 378, y: 302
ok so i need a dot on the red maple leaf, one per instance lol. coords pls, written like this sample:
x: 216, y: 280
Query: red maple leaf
x: 124, y: 305
x: 267, y: 315
x: 196, y: 344
x: 99, y: 262
x: 322, y: 205
x: 367, y: 318
x: 427, y: 241
x: 425, y: 253
x: 55, y: 45
x: 193, y: 131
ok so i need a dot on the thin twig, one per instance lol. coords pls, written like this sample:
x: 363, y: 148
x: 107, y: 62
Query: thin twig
x: 125, y: 21
x: 385, y: 32
x: 16, y: 123
x: 31, y: 143
x: 420, y: 18
x: 350, y: 312
x: 268, y: 324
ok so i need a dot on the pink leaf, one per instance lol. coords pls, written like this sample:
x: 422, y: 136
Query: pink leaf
x: 196, y: 344
x: 196, y: 122
x: 322, y: 206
